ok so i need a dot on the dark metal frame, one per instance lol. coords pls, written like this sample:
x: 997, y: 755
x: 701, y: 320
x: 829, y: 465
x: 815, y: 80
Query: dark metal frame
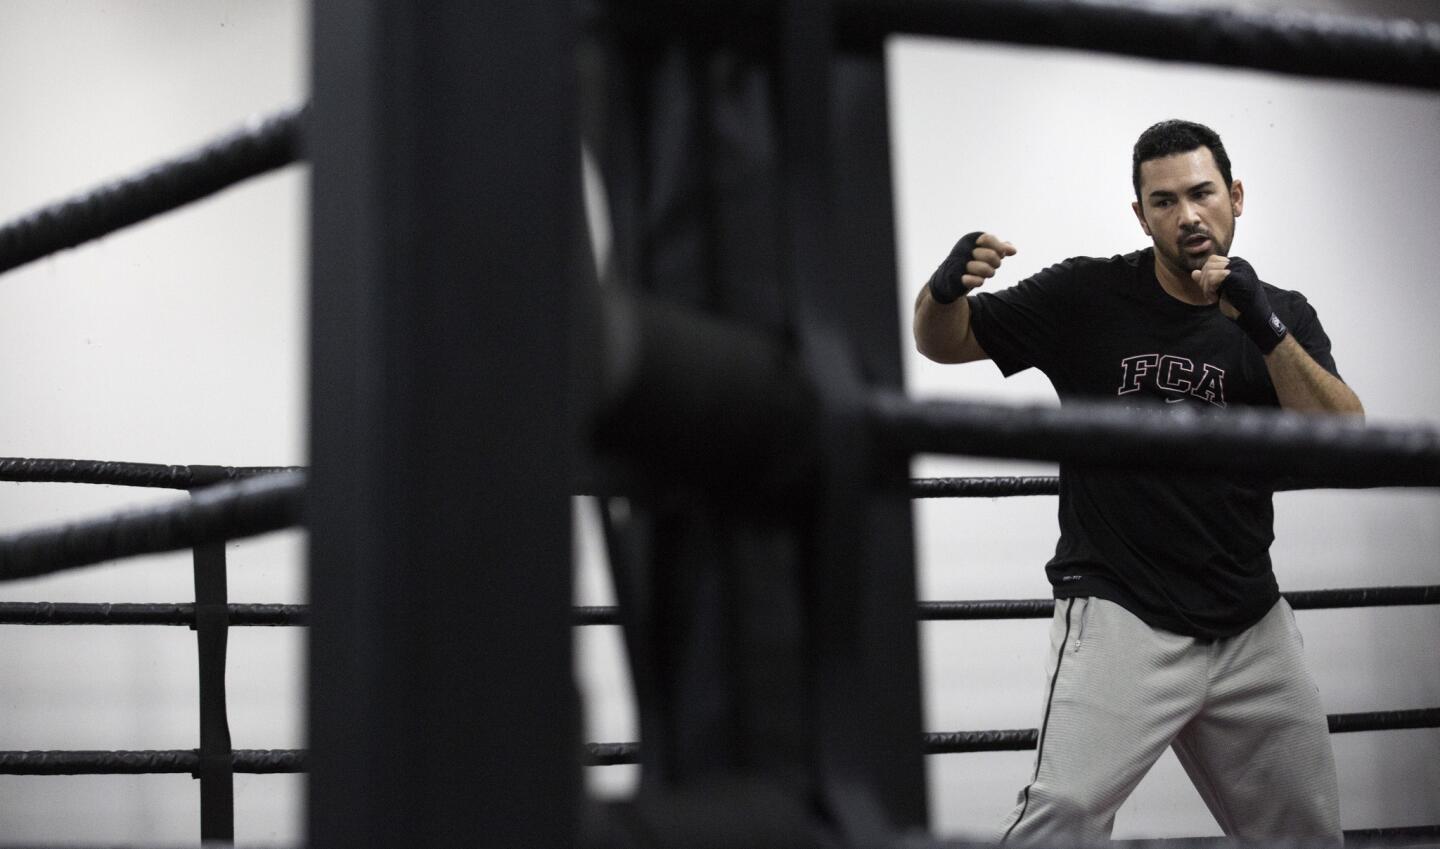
x: 444, y: 218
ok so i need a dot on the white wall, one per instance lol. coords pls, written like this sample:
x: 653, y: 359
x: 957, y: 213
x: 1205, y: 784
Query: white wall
x: 178, y: 341
x: 182, y: 341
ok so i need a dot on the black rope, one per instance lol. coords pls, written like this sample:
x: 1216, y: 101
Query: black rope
x: 1025, y: 608
x: 1317, y: 44
x: 1024, y: 739
x: 611, y: 754
x: 1001, y: 487
x: 1044, y: 608
x: 261, y: 146
x: 1380, y: 838
x: 255, y: 761
x: 1338, y: 450
x: 595, y: 615
x: 33, y: 470
x: 957, y: 742
x: 1362, y: 597
x: 1004, y: 487
x: 1384, y: 720
x: 280, y: 615
x: 1403, y: 831
x: 221, y: 512
x: 595, y: 754
x: 1307, y: 43
x: 75, y: 613
x: 1377, y: 837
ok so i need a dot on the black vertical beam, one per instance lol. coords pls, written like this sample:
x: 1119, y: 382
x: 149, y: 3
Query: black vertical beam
x: 212, y: 624
x: 858, y: 299
x: 839, y: 212
x: 444, y: 211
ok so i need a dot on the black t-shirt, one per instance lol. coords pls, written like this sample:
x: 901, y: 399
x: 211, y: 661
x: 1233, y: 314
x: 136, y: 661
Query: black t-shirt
x: 1186, y: 553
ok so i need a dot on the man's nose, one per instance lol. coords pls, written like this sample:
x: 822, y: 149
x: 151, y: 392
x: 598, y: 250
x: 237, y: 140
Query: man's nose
x: 1189, y: 213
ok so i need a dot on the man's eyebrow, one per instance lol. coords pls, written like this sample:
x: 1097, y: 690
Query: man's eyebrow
x: 1165, y: 193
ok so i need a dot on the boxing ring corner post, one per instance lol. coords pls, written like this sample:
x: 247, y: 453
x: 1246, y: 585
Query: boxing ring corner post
x: 441, y: 288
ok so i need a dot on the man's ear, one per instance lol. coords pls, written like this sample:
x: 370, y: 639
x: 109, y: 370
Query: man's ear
x: 1135, y: 205
x: 1237, y: 198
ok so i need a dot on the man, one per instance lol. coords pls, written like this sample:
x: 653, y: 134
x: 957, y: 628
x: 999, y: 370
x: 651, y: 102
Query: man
x: 1169, y: 628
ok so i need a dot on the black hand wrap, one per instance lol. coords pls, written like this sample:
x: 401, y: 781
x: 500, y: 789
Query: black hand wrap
x: 1245, y: 293
x: 945, y: 284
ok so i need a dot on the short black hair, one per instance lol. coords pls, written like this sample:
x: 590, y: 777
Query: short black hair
x: 1168, y: 138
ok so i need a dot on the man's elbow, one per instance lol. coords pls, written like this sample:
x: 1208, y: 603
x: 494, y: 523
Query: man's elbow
x: 936, y: 350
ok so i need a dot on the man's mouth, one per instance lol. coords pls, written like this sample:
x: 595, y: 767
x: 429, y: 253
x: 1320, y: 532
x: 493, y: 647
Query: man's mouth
x: 1197, y: 243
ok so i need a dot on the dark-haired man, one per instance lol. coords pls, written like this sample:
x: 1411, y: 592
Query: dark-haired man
x: 1169, y: 629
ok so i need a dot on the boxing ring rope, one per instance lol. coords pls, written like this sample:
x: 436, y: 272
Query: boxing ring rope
x: 1317, y: 45
x: 213, y: 514
x: 1338, y: 451
x: 157, y: 475
x: 1023, y: 739
x: 260, y: 146
x: 1312, y: 44
x: 1044, y: 608
x: 267, y: 499
x: 224, y: 503
x: 147, y: 762
x: 996, y: 487
x: 75, y: 613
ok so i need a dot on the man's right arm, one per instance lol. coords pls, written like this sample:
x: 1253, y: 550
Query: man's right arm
x: 942, y: 310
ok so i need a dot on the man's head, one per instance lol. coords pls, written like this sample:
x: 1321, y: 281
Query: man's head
x: 1185, y: 198
x: 1168, y: 138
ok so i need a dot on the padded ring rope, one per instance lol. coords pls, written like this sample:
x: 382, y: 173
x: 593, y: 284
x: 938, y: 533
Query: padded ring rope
x: 222, y: 512
x: 278, y: 615
x: 1394, y: 51
x: 1354, y: 839
x: 156, y: 475
x: 1000, y: 487
x: 1314, y: 44
x: 67, y: 613
x: 262, y: 145
x: 1044, y: 608
x: 1024, y: 739
x: 1003, y: 487
x: 257, y: 761
x: 1258, y: 442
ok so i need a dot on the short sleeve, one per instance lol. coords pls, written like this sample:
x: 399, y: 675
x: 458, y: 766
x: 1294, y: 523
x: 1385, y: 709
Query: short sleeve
x: 1305, y: 326
x: 1023, y: 326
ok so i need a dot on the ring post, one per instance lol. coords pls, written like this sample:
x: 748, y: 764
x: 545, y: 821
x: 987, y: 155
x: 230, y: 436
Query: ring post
x: 212, y: 623
x: 445, y: 206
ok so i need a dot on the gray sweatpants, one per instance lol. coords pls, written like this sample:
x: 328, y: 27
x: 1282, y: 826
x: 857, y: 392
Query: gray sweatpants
x: 1242, y: 714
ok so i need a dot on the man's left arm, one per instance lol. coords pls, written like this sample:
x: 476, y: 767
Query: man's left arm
x: 1304, y: 386
x: 1301, y: 384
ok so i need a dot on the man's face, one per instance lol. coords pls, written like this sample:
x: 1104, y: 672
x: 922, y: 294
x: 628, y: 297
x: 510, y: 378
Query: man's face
x: 1186, y: 210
